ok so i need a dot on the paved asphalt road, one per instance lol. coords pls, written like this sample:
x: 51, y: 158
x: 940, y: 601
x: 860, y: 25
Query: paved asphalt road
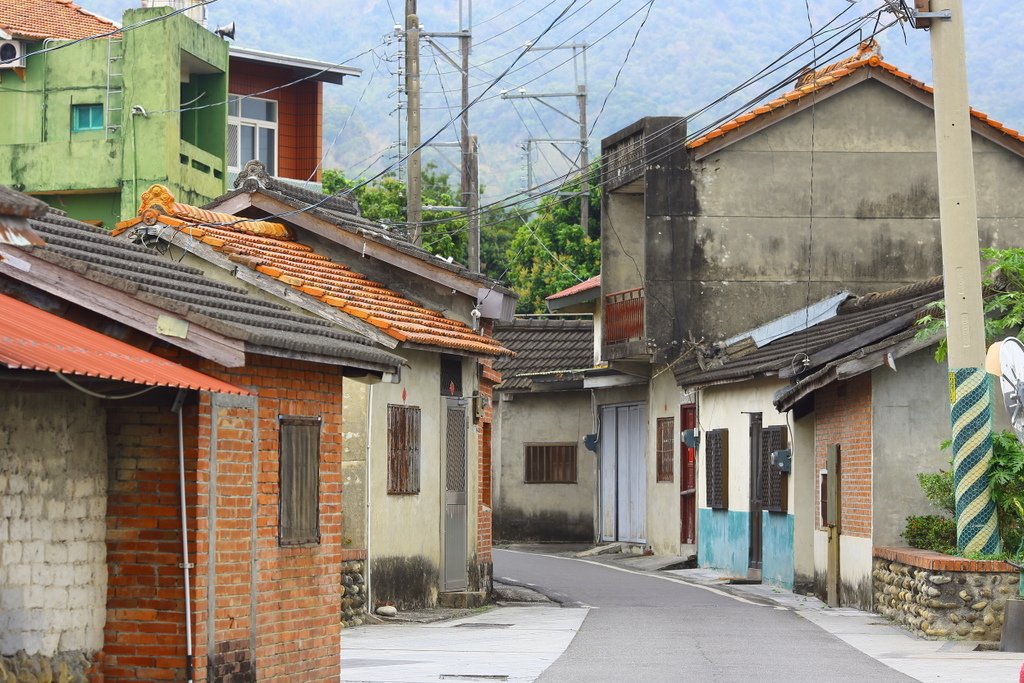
x: 648, y: 629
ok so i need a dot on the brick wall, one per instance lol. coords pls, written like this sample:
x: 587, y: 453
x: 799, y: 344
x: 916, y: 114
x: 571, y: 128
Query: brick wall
x: 843, y: 416
x: 52, y: 482
x: 295, y: 632
x: 488, y: 379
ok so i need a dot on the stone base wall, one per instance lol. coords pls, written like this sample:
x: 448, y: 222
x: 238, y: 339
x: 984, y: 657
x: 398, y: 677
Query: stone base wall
x: 353, y: 584
x: 66, y: 667
x: 943, y: 597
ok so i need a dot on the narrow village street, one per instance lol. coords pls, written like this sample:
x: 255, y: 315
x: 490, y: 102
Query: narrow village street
x: 613, y: 618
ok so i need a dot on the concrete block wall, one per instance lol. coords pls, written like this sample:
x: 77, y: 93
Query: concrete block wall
x: 53, y: 480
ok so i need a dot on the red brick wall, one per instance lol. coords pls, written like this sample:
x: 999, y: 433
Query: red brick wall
x: 296, y: 628
x: 488, y: 379
x: 300, y: 115
x: 843, y: 416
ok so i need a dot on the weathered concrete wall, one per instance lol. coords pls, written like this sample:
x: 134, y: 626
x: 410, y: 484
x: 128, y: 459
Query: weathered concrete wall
x: 911, y: 418
x: 53, y: 483
x: 940, y: 601
x: 544, y: 512
x: 874, y: 199
x: 663, y: 512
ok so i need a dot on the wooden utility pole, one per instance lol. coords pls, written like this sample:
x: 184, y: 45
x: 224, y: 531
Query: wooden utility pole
x: 469, y: 179
x: 414, y: 181
x: 961, y: 269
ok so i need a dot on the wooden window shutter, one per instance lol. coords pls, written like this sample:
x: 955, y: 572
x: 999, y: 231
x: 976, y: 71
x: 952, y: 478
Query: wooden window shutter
x: 299, y: 479
x: 774, y: 484
x: 403, y: 450
x: 550, y: 463
x: 666, y: 448
x: 717, y: 469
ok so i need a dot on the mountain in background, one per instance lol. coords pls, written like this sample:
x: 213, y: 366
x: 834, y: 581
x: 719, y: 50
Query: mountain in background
x: 688, y: 53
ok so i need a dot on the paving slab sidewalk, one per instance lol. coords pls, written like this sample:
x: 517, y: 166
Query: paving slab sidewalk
x: 514, y: 643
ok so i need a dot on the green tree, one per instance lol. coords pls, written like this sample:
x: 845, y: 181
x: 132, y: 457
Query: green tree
x: 384, y: 200
x: 551, y: 251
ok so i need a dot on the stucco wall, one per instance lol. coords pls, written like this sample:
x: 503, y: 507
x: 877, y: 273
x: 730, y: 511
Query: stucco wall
x: 911, y: 418
x: 545, y: 512
x: 663, y: 516
x: 53, y: 485
x: 875, y: 207
x: 804, y: 478
x: 353, y: 463
x: 405, y: 541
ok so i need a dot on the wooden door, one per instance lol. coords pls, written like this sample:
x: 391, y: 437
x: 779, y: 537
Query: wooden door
x: 756, y: 503
x: 687, y: 478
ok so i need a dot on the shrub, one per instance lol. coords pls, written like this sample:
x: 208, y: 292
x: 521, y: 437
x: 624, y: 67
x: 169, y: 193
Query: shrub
x: 931, y: 532
x: 938, y: 488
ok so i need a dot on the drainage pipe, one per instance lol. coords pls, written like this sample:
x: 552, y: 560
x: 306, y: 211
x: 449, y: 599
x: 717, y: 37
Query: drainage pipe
x: 189, y: 668
x: 369, y: 493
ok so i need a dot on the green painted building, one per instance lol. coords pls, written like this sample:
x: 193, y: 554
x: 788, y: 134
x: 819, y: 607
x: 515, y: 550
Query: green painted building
x: 89, y: 126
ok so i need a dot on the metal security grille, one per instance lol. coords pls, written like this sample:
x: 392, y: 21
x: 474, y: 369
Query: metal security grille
x: 665, y: 443
x: 774, y: 492
x: 717, y: 453
x: 455, y: 479
x: 299, y: 475
x: 550, y: 463
x: 403, y: 449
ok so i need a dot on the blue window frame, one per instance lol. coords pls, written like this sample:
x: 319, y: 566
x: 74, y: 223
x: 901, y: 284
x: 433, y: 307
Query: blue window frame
x: 86, y: 117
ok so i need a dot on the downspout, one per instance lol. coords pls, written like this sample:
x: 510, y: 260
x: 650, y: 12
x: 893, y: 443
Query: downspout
x: 46, y: 73
x: 178, y: 401
x: 369, y: 493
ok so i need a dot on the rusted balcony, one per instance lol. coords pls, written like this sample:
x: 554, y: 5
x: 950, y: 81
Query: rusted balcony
x: 624, y: 317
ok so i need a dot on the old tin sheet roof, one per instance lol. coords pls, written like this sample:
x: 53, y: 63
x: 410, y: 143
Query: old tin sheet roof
x: 742, y: 359
x: 586, y: 285
x: 543, y: 345
x: 15, y: 210
x: 32, y: 339
x: 269, y: 249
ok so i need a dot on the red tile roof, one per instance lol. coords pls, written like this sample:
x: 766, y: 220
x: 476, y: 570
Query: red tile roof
x: 867, y: 57
x: 586, y: 285
x: 31, y: 339
x: 50, y: 19
x: 269, y: 248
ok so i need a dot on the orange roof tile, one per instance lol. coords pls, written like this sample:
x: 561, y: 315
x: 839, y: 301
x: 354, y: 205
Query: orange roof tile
x: 50, y: 19
x: 269, y: 248
x: 867, y: 56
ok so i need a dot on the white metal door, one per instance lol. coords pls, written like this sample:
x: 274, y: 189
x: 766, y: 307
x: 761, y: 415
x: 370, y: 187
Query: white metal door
x: 624, y: 473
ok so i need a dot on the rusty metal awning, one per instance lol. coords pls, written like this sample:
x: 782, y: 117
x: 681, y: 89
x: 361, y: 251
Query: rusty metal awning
x: 32, y: 339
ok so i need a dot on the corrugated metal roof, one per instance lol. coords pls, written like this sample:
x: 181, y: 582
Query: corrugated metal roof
x: 32, y: 339
x: 586, y: 285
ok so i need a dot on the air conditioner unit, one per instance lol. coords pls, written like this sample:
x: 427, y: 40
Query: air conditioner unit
x: 12, y: 54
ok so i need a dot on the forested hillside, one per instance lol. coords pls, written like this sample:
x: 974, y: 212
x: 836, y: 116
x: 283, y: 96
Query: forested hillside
x: 689, y: 53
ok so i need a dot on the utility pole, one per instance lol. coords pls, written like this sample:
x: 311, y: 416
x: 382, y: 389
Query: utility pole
x: 582, y: 162
x: 414, y: 180
x: 468, y: 168
x: 976, y: 522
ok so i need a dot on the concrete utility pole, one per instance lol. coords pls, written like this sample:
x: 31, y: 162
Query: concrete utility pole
x: 578, y: 51
x: 414, y: 180
x: 976, y: 522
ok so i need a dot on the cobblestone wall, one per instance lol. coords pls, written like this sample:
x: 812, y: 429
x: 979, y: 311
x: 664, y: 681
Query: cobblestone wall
x: 939, y: 603
x: 67, y: 667
x: 353, y: 601
x: 53, y: 481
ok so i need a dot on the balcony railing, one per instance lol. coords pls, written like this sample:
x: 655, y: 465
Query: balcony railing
x: 624, y: 316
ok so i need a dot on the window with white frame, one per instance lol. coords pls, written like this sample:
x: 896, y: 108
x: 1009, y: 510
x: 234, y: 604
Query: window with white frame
x: 252, y: 132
